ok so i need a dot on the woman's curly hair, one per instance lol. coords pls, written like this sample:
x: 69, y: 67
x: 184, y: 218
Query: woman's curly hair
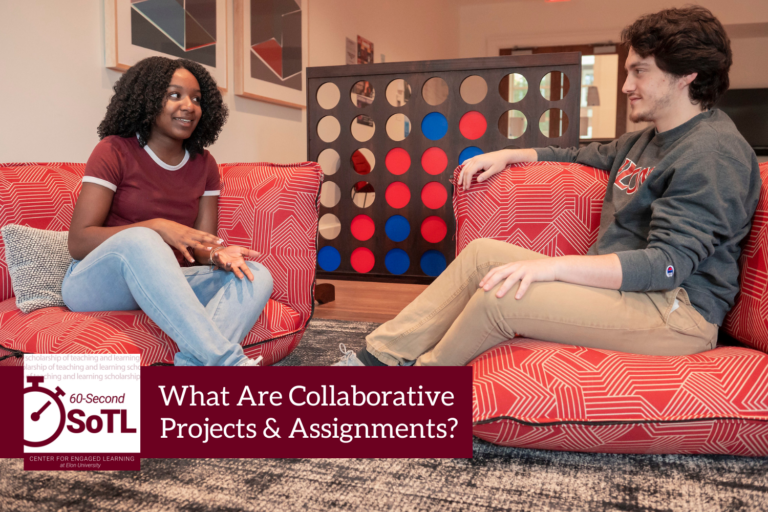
x: 140, y: 96
x: 685, y: 41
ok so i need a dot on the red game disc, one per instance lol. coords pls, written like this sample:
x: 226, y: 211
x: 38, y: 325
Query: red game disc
x: 433, y: 229
x: 434, y: 195
x: 473, y: 125
x: 362, y: 260
x: 362, y: 227
x: 398, y: 161
x: 434, y: 161
x: 398, y: 194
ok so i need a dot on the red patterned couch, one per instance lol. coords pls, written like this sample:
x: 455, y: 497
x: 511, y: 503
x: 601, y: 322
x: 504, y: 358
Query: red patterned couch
x: 269, y: 208
x: 535, y: 394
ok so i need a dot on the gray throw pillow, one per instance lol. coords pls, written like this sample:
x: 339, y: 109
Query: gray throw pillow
x: 37, y: 261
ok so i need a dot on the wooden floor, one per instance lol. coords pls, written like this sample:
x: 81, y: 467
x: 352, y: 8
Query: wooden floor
x: 363, y: 301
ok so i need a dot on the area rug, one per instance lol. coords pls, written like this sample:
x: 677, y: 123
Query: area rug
x: 495, y: 479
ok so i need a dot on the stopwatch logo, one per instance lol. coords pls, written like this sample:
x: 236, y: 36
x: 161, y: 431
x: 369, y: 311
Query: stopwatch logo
x: 42, y: 426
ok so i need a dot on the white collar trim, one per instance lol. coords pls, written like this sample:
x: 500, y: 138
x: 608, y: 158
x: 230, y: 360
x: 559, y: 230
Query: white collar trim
x: 163, y: 164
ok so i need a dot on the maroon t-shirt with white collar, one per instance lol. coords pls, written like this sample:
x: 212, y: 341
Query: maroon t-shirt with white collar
x: 147, y: 188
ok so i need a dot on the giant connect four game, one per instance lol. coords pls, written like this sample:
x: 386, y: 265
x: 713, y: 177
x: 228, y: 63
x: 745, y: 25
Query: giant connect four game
x: 388, y: 137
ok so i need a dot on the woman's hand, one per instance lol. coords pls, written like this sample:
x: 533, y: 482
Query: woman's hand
x: 493, y: 163
x: 184, y: 238
x: 232, y: 258
x: 526, y: 272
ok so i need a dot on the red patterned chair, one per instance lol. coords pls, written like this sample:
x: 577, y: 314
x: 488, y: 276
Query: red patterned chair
x: 536, y: 394
x: 269, y: 208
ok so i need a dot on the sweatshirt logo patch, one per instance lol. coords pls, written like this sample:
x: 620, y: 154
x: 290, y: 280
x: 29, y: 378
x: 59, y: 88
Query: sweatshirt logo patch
x: 670, y: 271
x: 630, y: 176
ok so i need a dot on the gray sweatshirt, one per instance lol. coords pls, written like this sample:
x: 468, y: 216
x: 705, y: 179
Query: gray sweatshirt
x: 677, y: 206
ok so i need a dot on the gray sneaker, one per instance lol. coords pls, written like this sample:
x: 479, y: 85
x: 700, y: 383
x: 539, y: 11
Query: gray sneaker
x: 349, y: 359
x: 253, y: 362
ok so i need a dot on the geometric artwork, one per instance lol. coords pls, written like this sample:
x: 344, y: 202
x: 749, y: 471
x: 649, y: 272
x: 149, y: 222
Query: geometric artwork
x: 276, y: 42
x: 270, y: 50
x: 187, y: 29
x: 183, y: 28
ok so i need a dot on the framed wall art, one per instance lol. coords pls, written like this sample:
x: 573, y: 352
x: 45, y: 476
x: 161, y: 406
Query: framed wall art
x: 271, y: 50
x: 189, y: 29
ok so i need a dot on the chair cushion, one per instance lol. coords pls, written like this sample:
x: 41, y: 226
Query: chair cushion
x: 273, y: 209
x: 548, y: 207
x: 748, y: 319
x: 57, y: 330
x: 536, y: 394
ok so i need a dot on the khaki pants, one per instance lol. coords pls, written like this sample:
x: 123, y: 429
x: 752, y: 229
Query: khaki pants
x: 453, y: 320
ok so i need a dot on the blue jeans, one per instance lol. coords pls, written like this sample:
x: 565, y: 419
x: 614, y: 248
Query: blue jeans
x: 206, y: 312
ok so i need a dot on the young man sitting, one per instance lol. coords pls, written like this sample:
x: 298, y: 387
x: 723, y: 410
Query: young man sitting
x: 663, y: 272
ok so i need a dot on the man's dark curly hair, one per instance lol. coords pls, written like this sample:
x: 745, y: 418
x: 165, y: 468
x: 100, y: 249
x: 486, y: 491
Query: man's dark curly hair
x: 685, y: 41
x: 140, y: 95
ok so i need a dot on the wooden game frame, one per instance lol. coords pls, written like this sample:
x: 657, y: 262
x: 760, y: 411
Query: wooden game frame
x: 492, y: 70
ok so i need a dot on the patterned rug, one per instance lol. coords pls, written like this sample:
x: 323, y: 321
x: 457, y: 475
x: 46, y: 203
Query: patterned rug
x: 495, y: 479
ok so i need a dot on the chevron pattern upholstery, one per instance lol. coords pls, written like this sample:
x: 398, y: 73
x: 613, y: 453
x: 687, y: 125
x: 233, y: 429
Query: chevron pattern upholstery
x: 748, y: 320
x: 536, y: 394
x: 550, y: 208
x: 270, y: 208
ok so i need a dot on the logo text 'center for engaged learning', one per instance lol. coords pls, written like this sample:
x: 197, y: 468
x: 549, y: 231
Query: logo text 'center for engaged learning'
x: 66, y: 412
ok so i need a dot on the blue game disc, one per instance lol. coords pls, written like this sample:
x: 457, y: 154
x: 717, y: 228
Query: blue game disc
x: 397, y: 228
x: 328, y: 258
x: 434, y: 126
x: 397, y: 261
x: 433, y: 263
x: 468, y: 153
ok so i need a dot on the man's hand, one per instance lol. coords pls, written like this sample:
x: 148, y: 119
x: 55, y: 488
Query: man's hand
x: 602, y: 271
x: 493, y: 163
x: 526, y: 272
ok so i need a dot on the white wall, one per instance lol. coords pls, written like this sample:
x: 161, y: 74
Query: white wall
x: 750, y: 59
x: 484, y: 28
x: 54, y: 85
x: 55, y: 88
x: 403, y: 30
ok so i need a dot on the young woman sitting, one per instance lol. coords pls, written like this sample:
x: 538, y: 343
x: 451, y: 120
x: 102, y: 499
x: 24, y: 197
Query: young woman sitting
x: 148, y: 212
